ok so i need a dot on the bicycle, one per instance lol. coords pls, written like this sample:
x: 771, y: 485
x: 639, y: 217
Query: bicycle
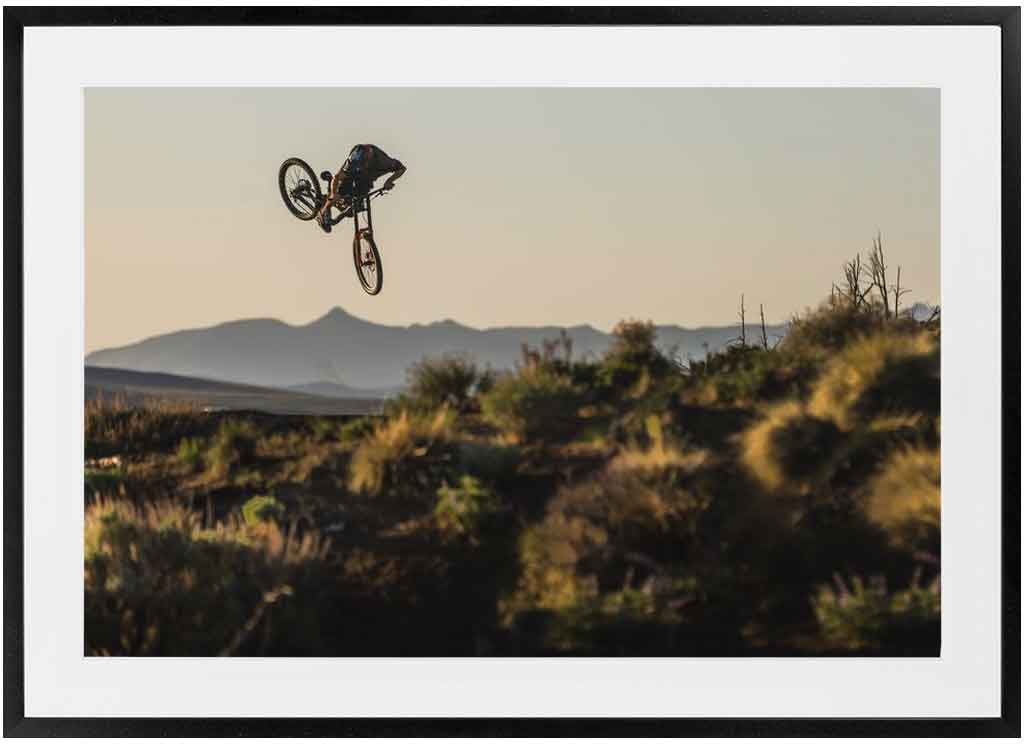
x: 302, y: 195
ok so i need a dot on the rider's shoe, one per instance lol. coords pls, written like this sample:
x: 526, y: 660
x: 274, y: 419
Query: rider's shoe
x: 322, y: 222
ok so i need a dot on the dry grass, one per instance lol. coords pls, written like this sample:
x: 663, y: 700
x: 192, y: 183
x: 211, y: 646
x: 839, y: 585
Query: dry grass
x: 399, y: 448
x: 232, y: 448
x: 159, y: 581
x: 660, y: 456
x: 116, y: 425
x: 275, y: 542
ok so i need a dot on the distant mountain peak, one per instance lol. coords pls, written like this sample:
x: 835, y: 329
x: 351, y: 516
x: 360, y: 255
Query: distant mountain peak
x: 337, y: 312
x: 338, y: 316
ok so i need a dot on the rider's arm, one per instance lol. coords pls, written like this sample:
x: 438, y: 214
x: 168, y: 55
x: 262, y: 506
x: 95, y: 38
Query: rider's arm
x: 396, y: 174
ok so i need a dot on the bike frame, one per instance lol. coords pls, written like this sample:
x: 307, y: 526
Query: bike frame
x: 361, y: 204
x: 364, y: 204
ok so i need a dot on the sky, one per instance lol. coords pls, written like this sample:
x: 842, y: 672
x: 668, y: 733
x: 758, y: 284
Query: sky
x: 543, y: 206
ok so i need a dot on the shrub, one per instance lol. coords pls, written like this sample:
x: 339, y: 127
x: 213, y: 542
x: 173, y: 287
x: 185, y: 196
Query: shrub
x: 623, y: 541
x: 877, y: 375
x: 632, y: 356
x: 829, y: 328
x: 158, y: 583
x: 262, y: 508
x: 535, y: 404
x: 443, y: 381
x: 790, y: 449
x: 739, y: 374
x: 232, y: 448
x: 407, y: 452
x: 190, y: 453
x: 878, y: 392
x: 869, y: 616
x: 904, y: 498
x: 465, y: 509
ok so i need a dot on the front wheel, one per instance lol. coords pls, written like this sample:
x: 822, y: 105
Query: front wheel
x: 300, y: 189
x: 368, y: 265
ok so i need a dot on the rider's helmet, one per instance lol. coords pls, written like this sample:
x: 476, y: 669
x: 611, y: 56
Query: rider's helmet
x: 357, y: 159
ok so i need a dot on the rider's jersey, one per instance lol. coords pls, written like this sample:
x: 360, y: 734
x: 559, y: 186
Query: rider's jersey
x: 368, y: 162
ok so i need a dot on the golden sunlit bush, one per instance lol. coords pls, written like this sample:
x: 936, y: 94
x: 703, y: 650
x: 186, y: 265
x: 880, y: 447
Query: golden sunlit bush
x: 904, y: 497
x: 408, y: 453
x: 872, y: 394
x: 882, y: 374
x: 791, y: 449
x: 159, y: 582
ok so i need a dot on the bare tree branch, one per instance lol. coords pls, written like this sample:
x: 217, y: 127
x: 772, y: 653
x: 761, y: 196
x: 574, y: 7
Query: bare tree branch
x: 764, y: 332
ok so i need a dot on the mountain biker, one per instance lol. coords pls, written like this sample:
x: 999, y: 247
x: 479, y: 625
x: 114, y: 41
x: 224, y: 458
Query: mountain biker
x: 365, y: 164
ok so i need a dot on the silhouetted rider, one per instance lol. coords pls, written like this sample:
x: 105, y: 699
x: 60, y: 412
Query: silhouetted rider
x: 364, y: 165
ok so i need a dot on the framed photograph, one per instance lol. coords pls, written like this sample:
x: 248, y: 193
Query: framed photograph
x: 511, y: 371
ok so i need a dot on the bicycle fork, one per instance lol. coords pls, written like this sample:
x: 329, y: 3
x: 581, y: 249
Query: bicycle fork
x: 365, y: 231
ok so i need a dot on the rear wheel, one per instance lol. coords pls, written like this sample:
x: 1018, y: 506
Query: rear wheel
x: 300, y: 189
x: 368, y: 265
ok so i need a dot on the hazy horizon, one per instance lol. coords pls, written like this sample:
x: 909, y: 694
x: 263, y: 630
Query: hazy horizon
x: 521, y: 207
x: 753, y: 323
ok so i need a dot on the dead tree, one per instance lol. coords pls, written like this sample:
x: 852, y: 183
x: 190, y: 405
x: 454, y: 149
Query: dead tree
x: 743, y: 323
x: 898, y: 291
x: 764, y: 331
x: 852, y: 291
x: 877, y: 269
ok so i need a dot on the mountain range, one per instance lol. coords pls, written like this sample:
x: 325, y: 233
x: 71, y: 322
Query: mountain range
x: 339, y: 354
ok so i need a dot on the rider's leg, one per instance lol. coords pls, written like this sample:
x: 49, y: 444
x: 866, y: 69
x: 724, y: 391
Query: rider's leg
x: 335, y: 195
x: 325, y: 208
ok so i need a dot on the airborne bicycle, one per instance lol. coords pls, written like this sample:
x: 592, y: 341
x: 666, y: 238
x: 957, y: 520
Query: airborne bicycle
x: 303, y: 196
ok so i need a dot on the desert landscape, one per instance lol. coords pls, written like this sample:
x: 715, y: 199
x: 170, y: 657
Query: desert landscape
x: 778, y: 495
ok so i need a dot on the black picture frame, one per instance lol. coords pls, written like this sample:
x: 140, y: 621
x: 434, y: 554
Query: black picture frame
x: 16, y: 19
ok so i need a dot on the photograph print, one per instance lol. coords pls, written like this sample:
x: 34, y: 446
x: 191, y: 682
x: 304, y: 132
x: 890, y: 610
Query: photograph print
x: 504, y: 372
